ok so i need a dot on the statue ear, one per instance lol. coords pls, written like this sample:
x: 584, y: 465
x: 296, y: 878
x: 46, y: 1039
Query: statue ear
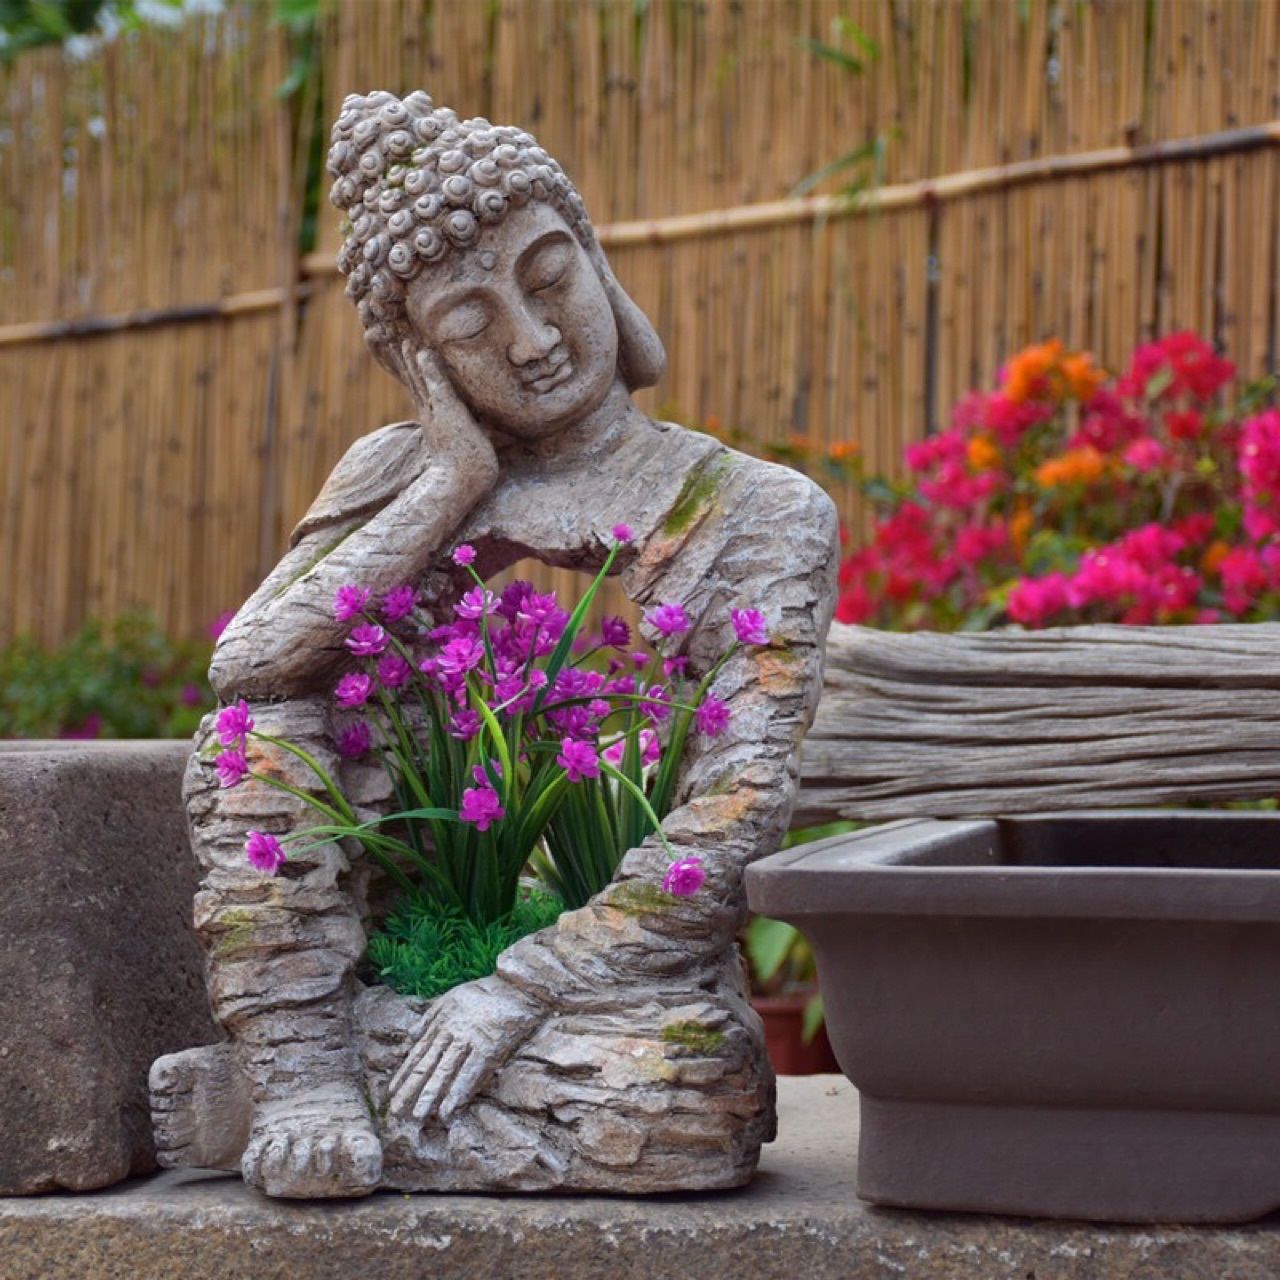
x: 642, y: 360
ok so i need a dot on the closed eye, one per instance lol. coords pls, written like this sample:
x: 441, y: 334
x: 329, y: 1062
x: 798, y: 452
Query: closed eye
x: 547, y: 265
x: 461, y: 322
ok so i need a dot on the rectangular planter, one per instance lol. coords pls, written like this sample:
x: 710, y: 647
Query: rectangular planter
x: 1066, y: 1015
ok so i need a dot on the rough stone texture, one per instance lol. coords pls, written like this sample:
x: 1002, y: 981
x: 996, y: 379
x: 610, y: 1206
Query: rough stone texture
x: 101, y: 971
x: 616, y: 1050
x: 799, y: 1217
x: 1095, y: 717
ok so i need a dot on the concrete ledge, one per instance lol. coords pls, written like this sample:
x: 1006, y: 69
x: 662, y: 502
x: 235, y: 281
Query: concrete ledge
x: 799, y: 1220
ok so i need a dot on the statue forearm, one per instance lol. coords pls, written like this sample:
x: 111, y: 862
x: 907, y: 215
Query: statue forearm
x: 285, y: 641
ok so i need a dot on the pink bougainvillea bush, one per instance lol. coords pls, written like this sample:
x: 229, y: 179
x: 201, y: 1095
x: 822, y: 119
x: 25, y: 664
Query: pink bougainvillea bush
x: 1069, y: 495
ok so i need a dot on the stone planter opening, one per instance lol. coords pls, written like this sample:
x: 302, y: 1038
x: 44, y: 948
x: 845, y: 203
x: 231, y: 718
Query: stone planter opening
x: 1070, y: 1015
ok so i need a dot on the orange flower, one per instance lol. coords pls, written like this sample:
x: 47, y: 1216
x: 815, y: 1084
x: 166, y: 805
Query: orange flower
x: 1081, y: 375
x: 843, y: 450
x: 983, y: 453
x: 1020, y: 525
x: 1214, y: 554
x: 1026, y: 376
x: 1076, y: 466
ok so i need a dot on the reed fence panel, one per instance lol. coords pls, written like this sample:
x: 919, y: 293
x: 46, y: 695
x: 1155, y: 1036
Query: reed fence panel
x: 177, y: 375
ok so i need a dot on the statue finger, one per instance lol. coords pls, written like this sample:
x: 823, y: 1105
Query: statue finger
x: 427, y: 1047
x: 436, y: 1087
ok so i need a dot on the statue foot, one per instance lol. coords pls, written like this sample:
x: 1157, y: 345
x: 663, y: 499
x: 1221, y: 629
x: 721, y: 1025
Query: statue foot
x: 314, y: 1144
x: 200, y: 1108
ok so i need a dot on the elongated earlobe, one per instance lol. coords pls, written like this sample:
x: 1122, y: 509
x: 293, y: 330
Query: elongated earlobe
x: 642, y: 359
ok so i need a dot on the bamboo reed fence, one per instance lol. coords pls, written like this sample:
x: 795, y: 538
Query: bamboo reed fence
x: 177, y: 377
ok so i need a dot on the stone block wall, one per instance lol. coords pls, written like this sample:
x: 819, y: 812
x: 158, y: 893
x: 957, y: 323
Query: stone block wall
x: 100, y: 972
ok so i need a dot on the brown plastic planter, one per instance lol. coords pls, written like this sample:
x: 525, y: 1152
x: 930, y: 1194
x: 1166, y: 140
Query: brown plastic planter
x: 1066, y: 1015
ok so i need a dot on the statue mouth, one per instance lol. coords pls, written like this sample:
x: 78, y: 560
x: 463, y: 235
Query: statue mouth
x: 549, y: 373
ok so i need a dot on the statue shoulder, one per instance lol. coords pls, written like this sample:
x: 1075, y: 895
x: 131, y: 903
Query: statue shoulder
x: 372, y: 472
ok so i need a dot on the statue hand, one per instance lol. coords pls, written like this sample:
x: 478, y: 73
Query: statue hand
x: 448, y: 425
x: 470, y: 1032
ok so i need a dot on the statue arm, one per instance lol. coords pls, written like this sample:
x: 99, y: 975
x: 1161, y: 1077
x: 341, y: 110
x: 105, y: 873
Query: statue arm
x: 737, y: 791
x: 409, y: 496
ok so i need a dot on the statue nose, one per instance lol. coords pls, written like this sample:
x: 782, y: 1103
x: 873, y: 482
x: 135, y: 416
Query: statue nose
x: 532, y: 337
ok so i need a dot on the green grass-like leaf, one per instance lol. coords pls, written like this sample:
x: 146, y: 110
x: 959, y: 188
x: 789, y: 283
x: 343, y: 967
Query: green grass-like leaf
x: 424, y: 949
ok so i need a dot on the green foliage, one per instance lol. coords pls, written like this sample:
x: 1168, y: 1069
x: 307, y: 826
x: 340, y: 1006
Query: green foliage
x: 123, y: 680
x: 425, y: 948
x: 32, y: 24
x: 852, y: 51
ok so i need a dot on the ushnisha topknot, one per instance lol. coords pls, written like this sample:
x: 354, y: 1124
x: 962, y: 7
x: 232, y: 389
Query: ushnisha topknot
x: 416, y: 183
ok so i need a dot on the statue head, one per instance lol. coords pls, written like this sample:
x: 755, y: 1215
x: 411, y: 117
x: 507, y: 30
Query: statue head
x: 428, y: 198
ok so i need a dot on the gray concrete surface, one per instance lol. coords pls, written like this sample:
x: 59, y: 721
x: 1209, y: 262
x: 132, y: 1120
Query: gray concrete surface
x: 799, y: 1220
x: 100, y: 972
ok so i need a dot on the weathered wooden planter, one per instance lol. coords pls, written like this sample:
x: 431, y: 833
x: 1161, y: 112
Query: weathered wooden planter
x: 1069, y: 1015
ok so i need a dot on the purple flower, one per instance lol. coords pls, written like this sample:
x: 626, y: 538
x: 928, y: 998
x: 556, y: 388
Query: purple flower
x: 220, y: 623
x: 684, y: 878
x: 508, y: 686
x: 750, y: 626
x: 234, y: 723
x: 649, y: 749
x: 349, y: 602
x: 463, y: 556
x: 459, y: 656
x: 539, y: 608
x: 622, y: 533
x: 670, y: 619
x: 232, y: 767
x: 367, y: 641
x: 574, y: 682
x: 264, y: 852
x: 575, y: 721
x: 525, y: 694
x: 481, y: 772
x: 354, y: 740
x: 624, y: 685
x: 477, y: 603
x: 464, y: 725
x: 394, y: 671
x: 481, y: 806
x: 578, y: 759
x: 712, y: 717
x: 191, y: 695
x: 353, y: 690
x: 615, y: 633
x: 399, y: 603
x: 658, y: 707
x: 675, y: 667
x: 640, y: 659
x: 513, y: 596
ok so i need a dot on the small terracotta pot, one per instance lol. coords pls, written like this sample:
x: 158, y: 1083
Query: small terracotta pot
x: 1063, y: 1015
x: 783, y: 1018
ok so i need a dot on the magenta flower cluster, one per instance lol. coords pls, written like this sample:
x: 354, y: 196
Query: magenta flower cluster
x: 522, y: 711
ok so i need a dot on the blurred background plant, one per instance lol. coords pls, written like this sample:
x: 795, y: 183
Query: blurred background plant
x: 1068, y: 495
x: 123, y: 680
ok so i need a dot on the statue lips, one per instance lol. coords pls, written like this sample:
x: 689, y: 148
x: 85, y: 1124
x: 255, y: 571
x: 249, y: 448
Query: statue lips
x: 550, y: 373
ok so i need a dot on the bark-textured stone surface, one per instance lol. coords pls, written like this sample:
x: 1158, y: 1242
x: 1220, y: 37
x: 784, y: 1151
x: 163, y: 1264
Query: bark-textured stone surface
x: 99, y: 966
x: 615, y: 1051
x: 799, y: 1217
x: 1019, y: 721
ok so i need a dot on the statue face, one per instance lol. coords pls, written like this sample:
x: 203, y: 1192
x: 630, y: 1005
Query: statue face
x: 521, y: 323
